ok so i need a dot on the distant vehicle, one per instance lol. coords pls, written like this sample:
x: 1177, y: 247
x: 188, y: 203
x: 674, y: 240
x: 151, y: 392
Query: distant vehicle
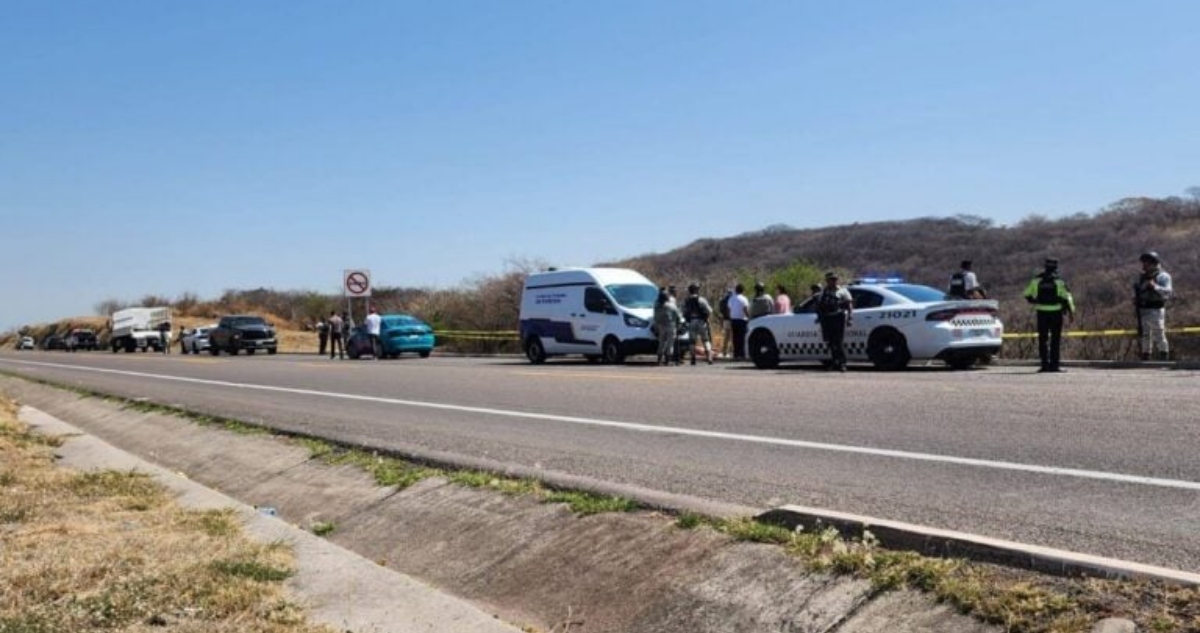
x: 602, y: 313
x: 398, y: 333
x: 52, y: 342
x: 196, y: 340
x: 893, y: 323
x: 81, y: 339
x: 26, y: 342
x: 140, y: 329
x: 242, y: 332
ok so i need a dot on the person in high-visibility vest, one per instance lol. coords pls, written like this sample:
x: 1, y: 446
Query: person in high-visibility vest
x: 1053, y: 301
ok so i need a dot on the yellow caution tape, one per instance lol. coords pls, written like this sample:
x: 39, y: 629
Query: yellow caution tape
x: 1086, y: 333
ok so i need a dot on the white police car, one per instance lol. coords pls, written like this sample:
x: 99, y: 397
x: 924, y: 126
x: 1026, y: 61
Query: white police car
x: 892, y: 323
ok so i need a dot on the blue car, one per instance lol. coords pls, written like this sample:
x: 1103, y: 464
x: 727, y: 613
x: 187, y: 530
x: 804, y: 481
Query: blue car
x: 398, y: 333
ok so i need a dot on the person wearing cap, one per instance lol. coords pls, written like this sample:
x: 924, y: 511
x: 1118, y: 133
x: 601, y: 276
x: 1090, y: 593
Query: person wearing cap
x: 834, y: 307
x: 696, y: 312
x: 1053, y: 302
x: 373, y: 323
x: 964, y: 284
x: 762, y: 304
x: 1151, y: 290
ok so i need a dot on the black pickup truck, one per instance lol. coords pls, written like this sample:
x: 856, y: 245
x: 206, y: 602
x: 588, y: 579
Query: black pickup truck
x: 242, y: 332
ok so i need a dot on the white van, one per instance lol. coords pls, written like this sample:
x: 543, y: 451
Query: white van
x: 602, y: 313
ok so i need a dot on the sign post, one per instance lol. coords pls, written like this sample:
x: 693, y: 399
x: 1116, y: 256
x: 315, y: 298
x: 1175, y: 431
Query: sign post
x: 356, y: 282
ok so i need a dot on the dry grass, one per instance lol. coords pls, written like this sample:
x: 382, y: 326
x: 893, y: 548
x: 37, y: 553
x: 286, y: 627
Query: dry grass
x: 111, y: 551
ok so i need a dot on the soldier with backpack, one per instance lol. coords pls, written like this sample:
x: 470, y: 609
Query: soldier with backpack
x: 964, y: 284
x: 696, y: 312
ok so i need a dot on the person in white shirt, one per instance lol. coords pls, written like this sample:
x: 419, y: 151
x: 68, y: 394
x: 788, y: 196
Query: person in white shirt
x: 739, y: 318
x: 373, y: 323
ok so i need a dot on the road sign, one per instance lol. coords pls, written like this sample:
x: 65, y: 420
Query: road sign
x: 356, y: 283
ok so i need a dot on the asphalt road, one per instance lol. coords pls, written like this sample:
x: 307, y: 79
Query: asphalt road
x: 1095, y: 461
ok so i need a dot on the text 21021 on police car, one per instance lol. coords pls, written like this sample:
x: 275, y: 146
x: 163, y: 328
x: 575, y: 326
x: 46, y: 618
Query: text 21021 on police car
x: 893, y: 323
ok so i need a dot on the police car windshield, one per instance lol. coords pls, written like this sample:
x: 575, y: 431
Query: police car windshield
x: 918, y: 294
x: 633, y: 295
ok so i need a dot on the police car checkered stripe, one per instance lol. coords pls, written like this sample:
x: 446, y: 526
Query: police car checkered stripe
x: 974, y: 321
x: 854, y: 348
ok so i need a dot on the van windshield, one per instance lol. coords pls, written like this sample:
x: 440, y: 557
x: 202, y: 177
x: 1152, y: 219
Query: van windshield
x: 633, y: 295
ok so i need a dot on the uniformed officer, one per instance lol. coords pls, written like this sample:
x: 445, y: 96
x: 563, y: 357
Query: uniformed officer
x: 696, y: 312
x: 1151, y: 290
x: 834, y: 307
x: 964, y: 284
x: 1053, y: 301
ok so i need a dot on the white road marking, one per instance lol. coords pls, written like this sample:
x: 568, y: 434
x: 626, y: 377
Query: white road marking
x: 672, y: 430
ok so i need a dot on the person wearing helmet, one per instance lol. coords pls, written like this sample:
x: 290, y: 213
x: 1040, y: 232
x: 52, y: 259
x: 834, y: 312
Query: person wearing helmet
x: 762, y: 304
x: 696, y: 312
x: 1151, y: 290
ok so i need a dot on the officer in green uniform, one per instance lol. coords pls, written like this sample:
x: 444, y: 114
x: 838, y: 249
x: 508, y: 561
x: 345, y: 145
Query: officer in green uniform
x: 1053, y: 301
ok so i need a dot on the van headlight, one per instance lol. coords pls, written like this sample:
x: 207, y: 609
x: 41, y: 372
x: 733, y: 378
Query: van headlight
x: 633, y: 321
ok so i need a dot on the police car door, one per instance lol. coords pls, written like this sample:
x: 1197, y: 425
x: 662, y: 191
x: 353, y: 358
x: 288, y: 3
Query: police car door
x: 864, y: 317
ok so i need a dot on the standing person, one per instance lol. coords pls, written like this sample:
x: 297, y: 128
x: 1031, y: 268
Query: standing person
x: 696, y: 312
x: 726, y: 324
x: 374, y: 322
x: 182, y: 348
x: 336, y: 342
x: 1053, y: 301
x: 1151, y: 291
x: 783, y: 303
x: 762, y: 304
x: 666, y: 320
x: 164, y: 338
x: 964, y: 284
x: 834, y: 306
x: 347, y: 328
x: 322, y: 336
x: 739, y: 317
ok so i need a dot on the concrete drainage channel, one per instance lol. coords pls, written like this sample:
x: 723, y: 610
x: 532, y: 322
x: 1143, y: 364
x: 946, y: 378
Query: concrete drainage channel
x: 533, y: 565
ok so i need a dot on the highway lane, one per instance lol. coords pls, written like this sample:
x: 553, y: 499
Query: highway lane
x: 1097, y: 461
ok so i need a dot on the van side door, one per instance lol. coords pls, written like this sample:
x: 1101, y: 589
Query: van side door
x: 590, y: 324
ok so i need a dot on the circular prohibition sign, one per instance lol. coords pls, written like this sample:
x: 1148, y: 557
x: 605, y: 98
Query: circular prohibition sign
x: 356, y: 283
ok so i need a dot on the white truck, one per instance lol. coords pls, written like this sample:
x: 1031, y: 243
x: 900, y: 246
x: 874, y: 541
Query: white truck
x: 140, y: 329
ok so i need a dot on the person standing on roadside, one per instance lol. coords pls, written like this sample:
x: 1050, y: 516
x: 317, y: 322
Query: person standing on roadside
x: 783, y: 302
x: 164, y: 338
x: 726, y: 324
x: 964, y: 284
x: 739, y: 317
x: 762, y: 304
x: 696, y: 312
x: 182, y: 347
x: 373, y: 323
x: 1151, y: 291
x: 1053, y: 301
x: 322, y: 336
x: 834, y: 306
x: 336, y: 342
x: 347, y: 328
x: 666, y: 322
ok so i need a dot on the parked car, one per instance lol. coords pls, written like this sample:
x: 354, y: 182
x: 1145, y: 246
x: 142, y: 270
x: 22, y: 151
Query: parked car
x: 893, y: 324
x: 398, y: 333
x: 242, y: 332
x: 53, y: 341
x: 197, y: 340
x: 26, y: 342
x: 81, y: 338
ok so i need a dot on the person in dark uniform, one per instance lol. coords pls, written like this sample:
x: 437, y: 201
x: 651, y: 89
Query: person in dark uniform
x: 834, y: 308
x: 1054, y: 304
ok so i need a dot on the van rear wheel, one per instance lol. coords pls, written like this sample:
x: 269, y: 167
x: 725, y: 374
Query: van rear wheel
x: 534, y: 351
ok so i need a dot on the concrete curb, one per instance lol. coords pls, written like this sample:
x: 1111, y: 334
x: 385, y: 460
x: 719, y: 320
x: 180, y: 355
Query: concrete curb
x: 950, y: 543
x: 339, y: 588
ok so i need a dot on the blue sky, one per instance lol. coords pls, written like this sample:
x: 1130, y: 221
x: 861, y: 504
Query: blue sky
x: 158, y: 147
